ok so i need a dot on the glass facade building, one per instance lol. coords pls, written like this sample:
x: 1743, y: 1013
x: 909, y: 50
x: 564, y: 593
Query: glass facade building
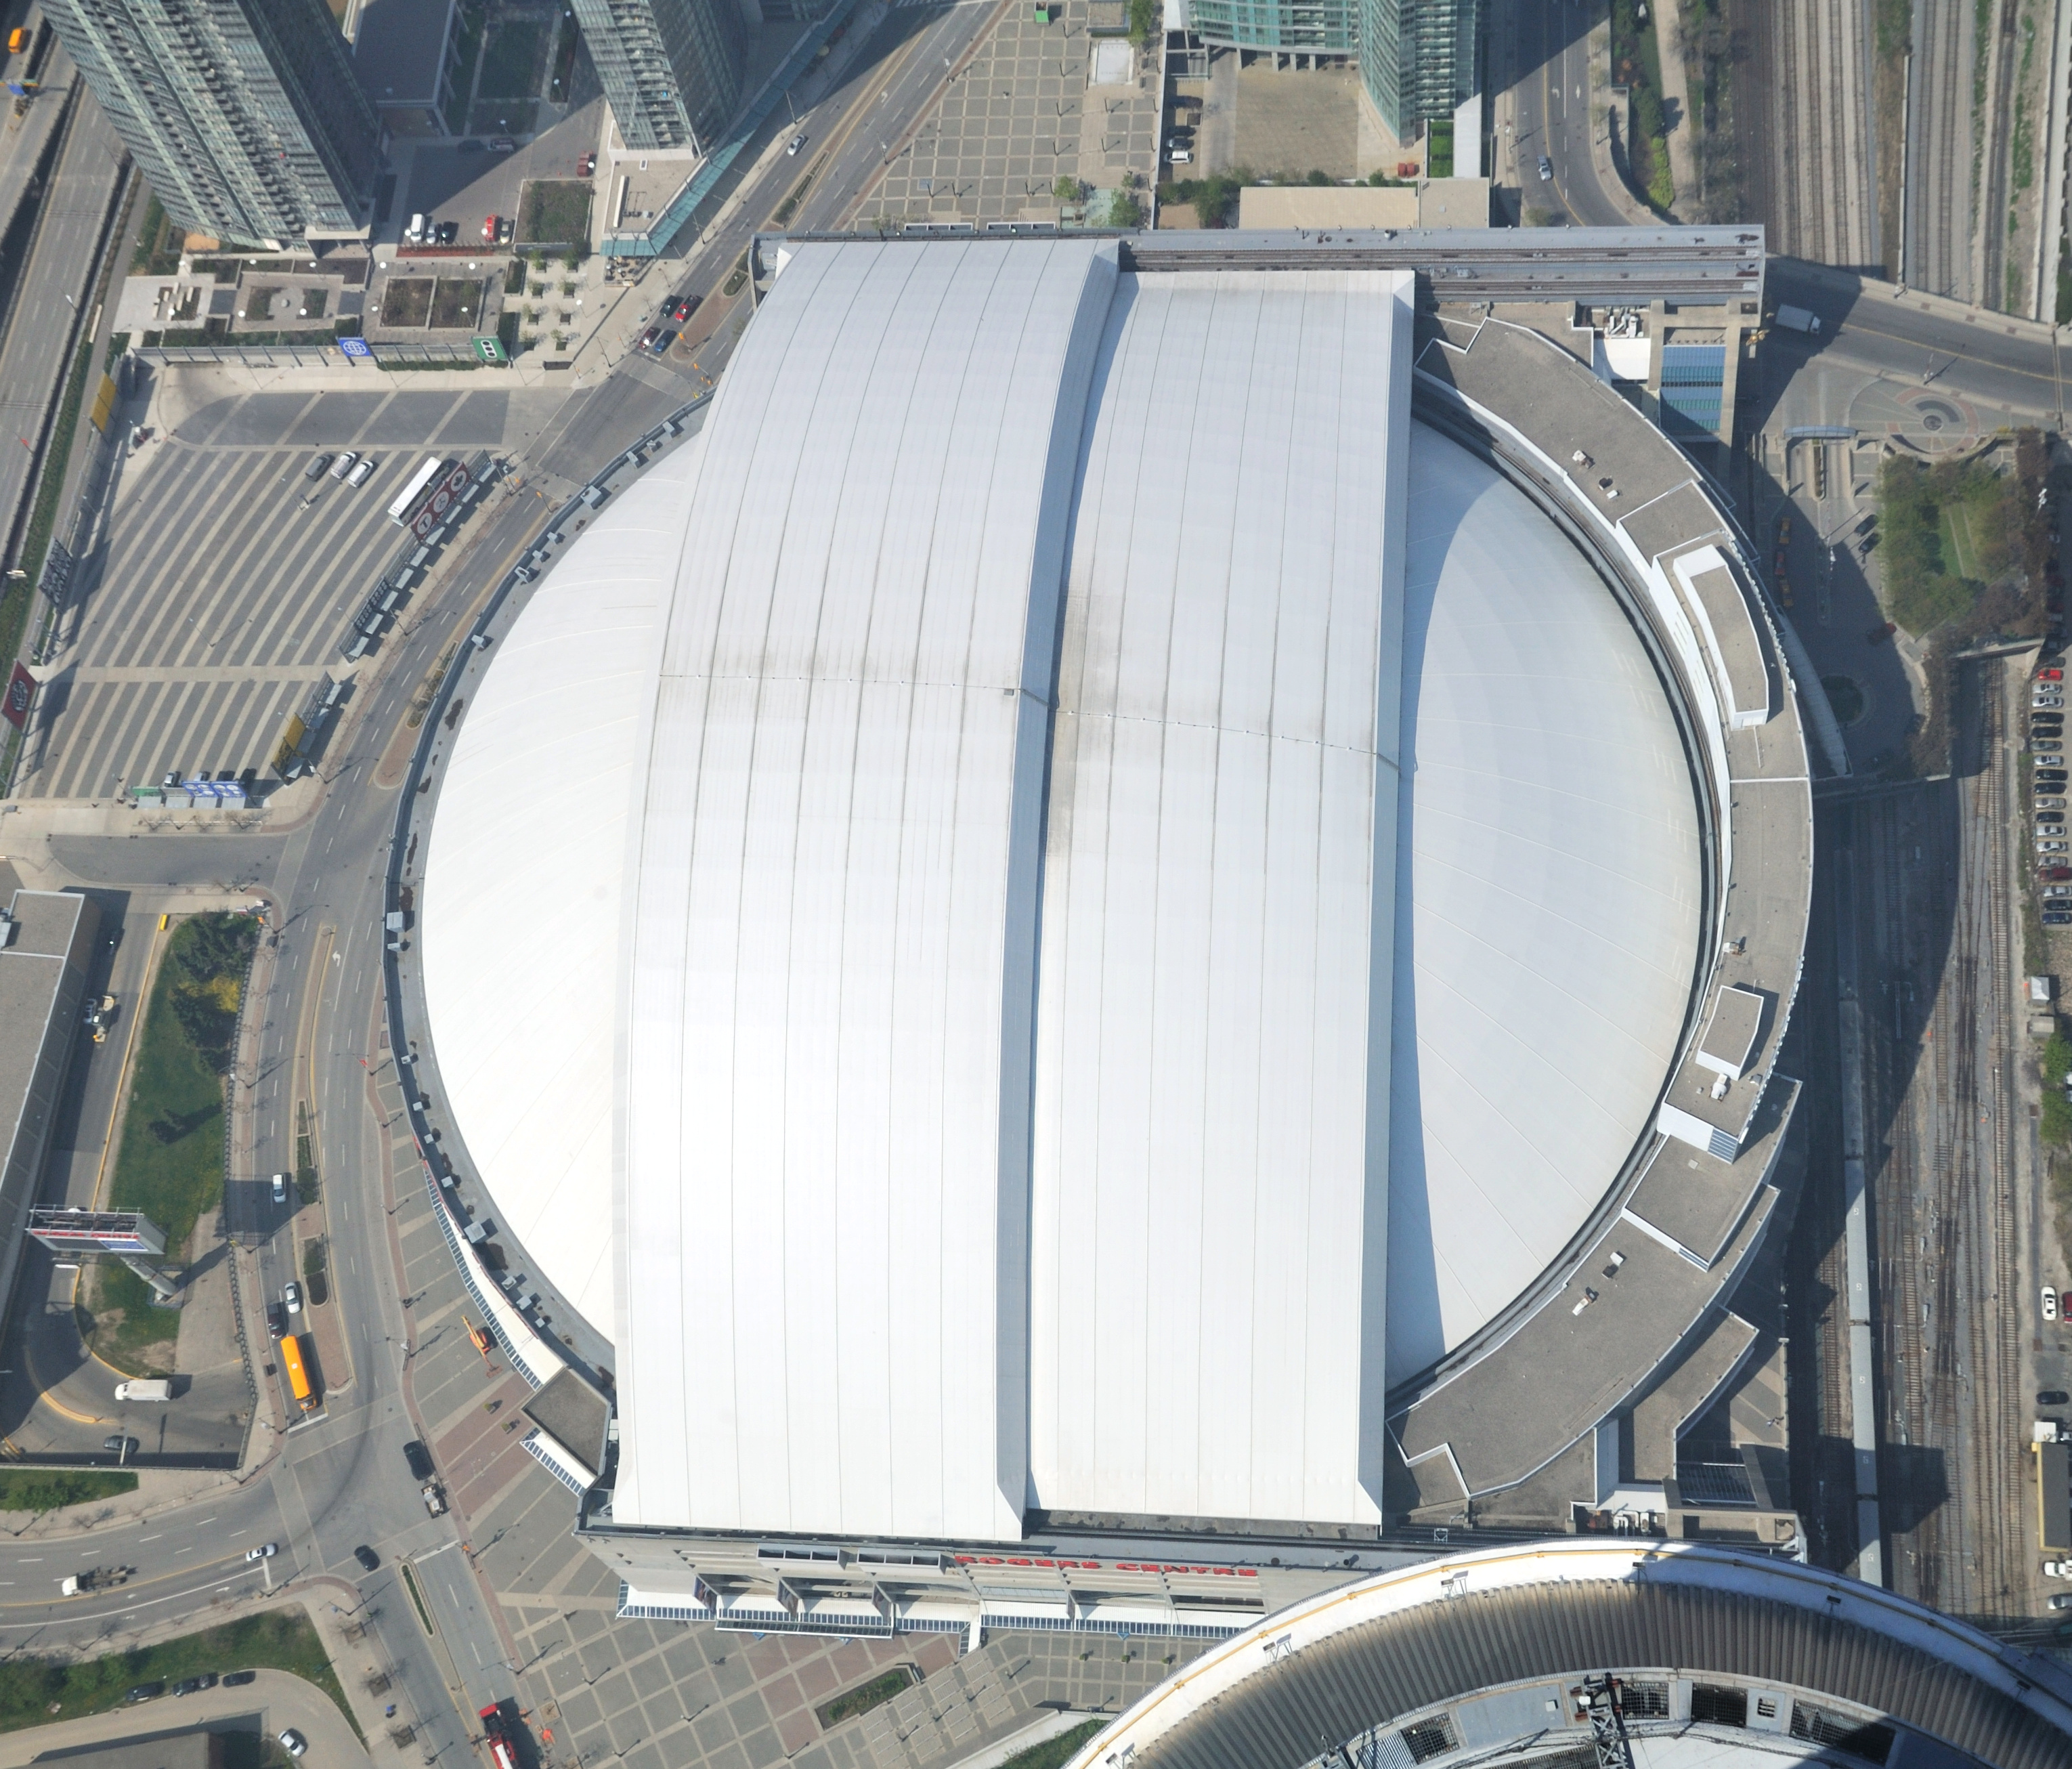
x: 670, y: 69
x: 1421, y: 59
x: 1323, y: 27
x: 244, y: 116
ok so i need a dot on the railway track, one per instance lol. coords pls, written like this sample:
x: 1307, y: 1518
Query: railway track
x: 1941, y: 154
x: 1993, y: 148
x: 1941, y: 1081
x: 1810, y: 178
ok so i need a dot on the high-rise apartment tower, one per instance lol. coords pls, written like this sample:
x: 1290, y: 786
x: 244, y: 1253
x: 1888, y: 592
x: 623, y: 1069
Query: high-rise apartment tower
x: 1420, y: 60
x: 244, y: 116
x: 671, y: 69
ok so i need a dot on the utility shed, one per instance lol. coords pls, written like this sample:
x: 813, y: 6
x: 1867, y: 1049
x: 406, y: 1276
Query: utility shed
x: 2053, y: 1497
x: 47, y: 947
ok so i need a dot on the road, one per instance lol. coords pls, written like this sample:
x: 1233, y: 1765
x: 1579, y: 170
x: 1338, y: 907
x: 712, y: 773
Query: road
x: 56, y: 284
x: 1550, y: 96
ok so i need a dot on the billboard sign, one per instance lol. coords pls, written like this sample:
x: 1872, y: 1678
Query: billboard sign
x: 440, y: 501
x: 21, y: 691
x: 97, y: 1230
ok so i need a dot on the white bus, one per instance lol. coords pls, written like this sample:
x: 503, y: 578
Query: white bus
x: 419, y: 483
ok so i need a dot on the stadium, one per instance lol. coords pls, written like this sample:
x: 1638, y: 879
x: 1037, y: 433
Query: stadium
x: 1125, y: 931
x: 1602, y: 1657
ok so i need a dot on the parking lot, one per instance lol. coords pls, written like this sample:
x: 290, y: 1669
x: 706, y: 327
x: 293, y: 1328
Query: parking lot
x: 221, y: 599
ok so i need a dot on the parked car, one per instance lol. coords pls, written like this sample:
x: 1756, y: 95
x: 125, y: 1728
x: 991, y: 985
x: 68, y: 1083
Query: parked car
x: 194, y: 1685
x: 146, y: 1692
x: 236, y: 1680
x: 367, y: 1556
x: 447, y: 232
x: 2057, y: 890
x: 2050, y: 828
x: 2045, y: 702
x: 2062, y: 1600
x: 2059, y: 917
x: 647, y: 338
x: 586, y: 165
x: 502, y: 144
x: 2053, y: 1397
x: 1180, y: 156
x: 315, y: 469
x: 419, y: 1458
x: 2043, y: 846
x: 362, y: 473
x: 2054, y: 874
x: 342, y: 465
x: 661, y: 345
x: 2050, y: 675
x: 291, y: 1295
x: 119, y: 1445
x: 265, y: 1550
x: 276, y: 1321
x: 680, y: 310
x: 2050, y: 759
x: 490, y: 235
x: 293, y: 1742
x: 2050, y: 1303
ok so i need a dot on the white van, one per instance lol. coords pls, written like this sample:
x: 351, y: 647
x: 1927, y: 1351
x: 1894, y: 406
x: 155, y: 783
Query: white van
x: 342, y: 465
x: 360, y: 474
x: 157, y: 1389
x: 416, y: 229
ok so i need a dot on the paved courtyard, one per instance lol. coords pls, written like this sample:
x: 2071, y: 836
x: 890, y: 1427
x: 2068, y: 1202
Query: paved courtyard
x: 221, y: 600
x: 1035, y: 104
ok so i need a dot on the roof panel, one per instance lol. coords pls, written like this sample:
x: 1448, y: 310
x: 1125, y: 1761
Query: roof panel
x: 833, y: 799
x: 1204, y: 1023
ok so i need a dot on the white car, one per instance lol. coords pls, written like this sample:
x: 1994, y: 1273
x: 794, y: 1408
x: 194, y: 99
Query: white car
x: 2058, y: 1569
x: 2050, y: 828
x: 2050, y: 1303
x: 2050, y: 847
x: 293, y: 1742
x: 265, y: 1550
x: 2057, y: 890
x: 2044, y: 702
x: 2050, y: 758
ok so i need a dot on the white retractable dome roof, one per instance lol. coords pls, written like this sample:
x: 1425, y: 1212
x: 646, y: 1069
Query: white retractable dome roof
x: 1059, y: 827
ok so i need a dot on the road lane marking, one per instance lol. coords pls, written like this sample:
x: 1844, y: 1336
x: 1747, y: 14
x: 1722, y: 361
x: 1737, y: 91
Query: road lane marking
x: 150, y: 1538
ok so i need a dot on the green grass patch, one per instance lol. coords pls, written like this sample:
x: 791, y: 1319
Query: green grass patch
x: 417, y: 1598
x: 121, y: 1321
x: 2056, y: 1059
x: 554, y: 211
x: 1439, y: 155
x: 277, y: 1641
x: 864, y: 1696
x: 158, y: 242
x: 52, y: 1489
x: 1056, y: 1753
x: 514, y: 60
x: 1945, y: 532
x: 170, y: 1165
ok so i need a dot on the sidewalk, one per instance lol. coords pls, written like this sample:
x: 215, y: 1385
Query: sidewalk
x: 1676, y: 96
x: 281, y: 1701
x: 1636, y: 213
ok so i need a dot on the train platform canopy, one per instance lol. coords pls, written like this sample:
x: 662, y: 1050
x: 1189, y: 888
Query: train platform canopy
x: 1112, y: 897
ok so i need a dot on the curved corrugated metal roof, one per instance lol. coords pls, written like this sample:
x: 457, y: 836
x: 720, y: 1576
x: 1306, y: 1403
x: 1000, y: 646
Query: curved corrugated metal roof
x: 1866, y: 1649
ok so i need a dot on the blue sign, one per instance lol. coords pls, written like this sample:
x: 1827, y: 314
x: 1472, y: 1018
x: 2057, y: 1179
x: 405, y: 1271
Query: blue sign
x: 351, y: 347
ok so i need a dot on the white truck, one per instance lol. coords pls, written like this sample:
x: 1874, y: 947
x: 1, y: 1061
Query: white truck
x: 157, y: 1388
x: 98, y: 1578
x: 1799, y: 319
x: 435, y: 1501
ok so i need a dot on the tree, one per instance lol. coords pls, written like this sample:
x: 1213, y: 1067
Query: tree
x: 1143, y: 22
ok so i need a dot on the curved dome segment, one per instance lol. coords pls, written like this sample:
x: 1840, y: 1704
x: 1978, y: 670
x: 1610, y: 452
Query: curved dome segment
x: 1483, y: 1658
x: 521, y: 921
x: 1547, y: 908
